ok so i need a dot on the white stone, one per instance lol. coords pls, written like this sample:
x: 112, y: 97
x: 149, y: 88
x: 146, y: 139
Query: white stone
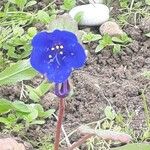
x: 92, y: 14
x: 96, y: 1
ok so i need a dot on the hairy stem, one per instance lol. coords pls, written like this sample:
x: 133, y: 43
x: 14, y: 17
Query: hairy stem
x: 59, y: 123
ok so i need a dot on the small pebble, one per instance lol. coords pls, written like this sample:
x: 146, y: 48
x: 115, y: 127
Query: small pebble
x: 92, y: 15
x: 111, y: 28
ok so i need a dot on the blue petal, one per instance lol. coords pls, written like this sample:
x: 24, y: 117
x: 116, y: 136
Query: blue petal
x: 42, y: 39
x: 39, y: 59
x: 60, y: 74
x: 63, y: 36
x: 76, y: 56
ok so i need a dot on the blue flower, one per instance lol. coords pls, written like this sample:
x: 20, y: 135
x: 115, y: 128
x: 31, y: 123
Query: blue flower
x: 56, y: 54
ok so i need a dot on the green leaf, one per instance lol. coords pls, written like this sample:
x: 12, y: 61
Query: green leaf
x: 110, y: 113
x: 146, y: 74
x: 4, y: 121
x: 32, y: 94
x: 106, y: 40
x: 21, y: 107
x: 99, y: 48
x: 32, y: 31
x: 20, y: 3
x: 90, y: 37
x: 48, y: 113
x: 124, y: 3
x: 116, y: 48
x: 33, y: 113
x: 117, y: 40
x: 38, y: 122
x: 78, y: 16
x: 147, y: 2
x: 39, y: 109
x: 68, y: 4
x: 18, y: 31
x: 5, y: 106
x: 30, y: 3
x: 35, y: 94
x: 43, y: 88
x: 20, y: 71
x: 43, y: 16
x: 148, y: 34
x: 41, y: 112
x: 135, y: 146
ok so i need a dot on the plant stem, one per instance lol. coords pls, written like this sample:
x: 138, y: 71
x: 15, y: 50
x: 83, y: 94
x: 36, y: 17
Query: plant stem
x: 59, y: 123
x: 80, y: 141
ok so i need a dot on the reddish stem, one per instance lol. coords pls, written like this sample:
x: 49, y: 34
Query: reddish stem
x: 80, y: 141
x: 59, y: 123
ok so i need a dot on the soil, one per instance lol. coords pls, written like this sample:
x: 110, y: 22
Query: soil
x: 106, y: 79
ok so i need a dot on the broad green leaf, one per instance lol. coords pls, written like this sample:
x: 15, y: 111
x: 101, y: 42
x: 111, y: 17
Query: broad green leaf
x: 43, y: 16
x: 68, y: 4
x: 5, y: 106
x: 110, y: 113
x: 20, y: 71
x: 21, y: 107
x: 135, y: 146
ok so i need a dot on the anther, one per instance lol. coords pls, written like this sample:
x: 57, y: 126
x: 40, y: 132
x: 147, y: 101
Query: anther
x: 61, y: 47
x: 50, y: 56
x: 72, y: 54
x: 52, y: 48
x: 60, y: 52
x: 57, y: 47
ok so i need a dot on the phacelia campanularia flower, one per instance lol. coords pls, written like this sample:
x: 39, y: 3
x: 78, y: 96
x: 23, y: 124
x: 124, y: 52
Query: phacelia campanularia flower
x: 55, y: 54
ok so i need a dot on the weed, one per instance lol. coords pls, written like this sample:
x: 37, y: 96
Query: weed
x: 115, y: 42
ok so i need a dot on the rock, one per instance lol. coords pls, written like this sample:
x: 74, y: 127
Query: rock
x: 10, y: 144
x: 92, y: 15
x: 96, y: 1
x: 145, y: 25
x: 111, y: 28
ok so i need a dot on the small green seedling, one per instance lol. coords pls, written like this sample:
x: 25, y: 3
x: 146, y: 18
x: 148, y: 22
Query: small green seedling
x: 115, y: 42
x: 68, y: 4
x: 90, y: 37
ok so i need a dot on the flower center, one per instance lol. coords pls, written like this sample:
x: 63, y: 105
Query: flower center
x: 57, y: 55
